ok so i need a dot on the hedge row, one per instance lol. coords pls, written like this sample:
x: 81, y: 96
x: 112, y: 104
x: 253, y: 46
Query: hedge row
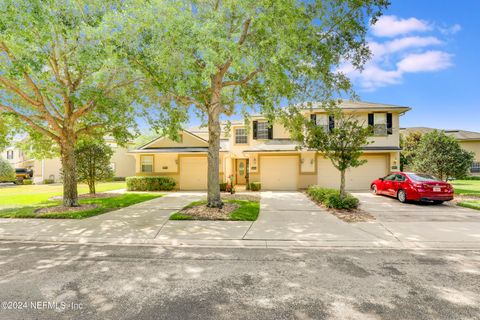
x: 150, y: 183
x: 331, y: 198
x: 255, y: 186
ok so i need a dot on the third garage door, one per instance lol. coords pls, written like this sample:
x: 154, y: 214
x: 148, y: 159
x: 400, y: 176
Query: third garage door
x: 279, y: 173
x: 358, y: 178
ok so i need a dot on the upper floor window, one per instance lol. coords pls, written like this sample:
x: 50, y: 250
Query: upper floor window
x: 381, y: 123
x: 241, y: 136
x: 9, y: 154
x: 327, y: 122
x: 262, y: 130
x: 147, y: 164
x: 475, y: 167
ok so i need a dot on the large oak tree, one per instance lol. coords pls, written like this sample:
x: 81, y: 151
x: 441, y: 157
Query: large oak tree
x: 59, y: 81
x: 217, y: 55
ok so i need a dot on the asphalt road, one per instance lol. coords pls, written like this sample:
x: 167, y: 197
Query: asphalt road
x: 60, y: 281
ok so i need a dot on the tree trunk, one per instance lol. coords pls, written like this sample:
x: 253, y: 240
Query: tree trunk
x: 70, y: 193
x: 213, y: 199
x: 342, y: 183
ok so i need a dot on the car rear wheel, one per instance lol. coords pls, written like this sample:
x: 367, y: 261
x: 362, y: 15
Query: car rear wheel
x: 402, y: 196
x: 373, y: 188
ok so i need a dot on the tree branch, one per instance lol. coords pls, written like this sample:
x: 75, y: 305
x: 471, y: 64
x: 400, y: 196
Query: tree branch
x: 244, y: 80
x: 30, y: 121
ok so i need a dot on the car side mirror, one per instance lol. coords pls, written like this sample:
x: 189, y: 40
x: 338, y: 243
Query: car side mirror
x: 381, y: 179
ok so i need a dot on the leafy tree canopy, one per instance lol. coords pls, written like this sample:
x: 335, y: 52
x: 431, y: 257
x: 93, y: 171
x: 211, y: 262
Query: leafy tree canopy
x: 442, y: 156
x: 218, y: 55
x: 59, y: 80
x: 93, y: 162
x: 342, y: 144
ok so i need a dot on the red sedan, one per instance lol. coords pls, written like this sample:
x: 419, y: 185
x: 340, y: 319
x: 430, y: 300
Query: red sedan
x: 413, y: 186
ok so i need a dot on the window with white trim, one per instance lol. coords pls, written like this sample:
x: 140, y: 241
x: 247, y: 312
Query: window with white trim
x: 112, y: 166
x: 475, y: 167
x: 380, y: 124
x: 262, y: 130
x: 241, y: 136
x: 147, y: 164
x: 9, y: 154
x: 322, y: 121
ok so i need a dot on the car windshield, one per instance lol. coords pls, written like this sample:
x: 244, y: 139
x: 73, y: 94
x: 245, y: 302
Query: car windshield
x: 422, y: 177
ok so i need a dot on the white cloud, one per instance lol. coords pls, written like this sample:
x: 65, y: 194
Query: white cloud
x: 427, y: 61
x: 390, y: 26
x: 401, y: 44
x: 402, y: 53
x: 450, y: 30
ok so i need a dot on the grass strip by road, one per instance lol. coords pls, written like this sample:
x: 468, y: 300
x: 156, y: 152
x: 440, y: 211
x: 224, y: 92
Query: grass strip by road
x: 472, y: 204
x: 246, y: 211
x: 466, y: 187
x: 103, y: 205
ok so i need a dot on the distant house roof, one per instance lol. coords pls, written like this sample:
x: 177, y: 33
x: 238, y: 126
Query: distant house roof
x: 461, y: 135
x: 359, y: 105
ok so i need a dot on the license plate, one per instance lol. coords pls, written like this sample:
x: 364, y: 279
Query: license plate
x: 437, y: 189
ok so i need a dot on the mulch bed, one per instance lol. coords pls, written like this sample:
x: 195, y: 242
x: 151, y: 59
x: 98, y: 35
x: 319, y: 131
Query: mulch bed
x: 62, y: 209
x: 90, y: 196
x: 356, y: 215
x: 202, y: 212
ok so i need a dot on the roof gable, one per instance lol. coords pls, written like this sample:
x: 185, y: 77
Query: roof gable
x: 188, y: 139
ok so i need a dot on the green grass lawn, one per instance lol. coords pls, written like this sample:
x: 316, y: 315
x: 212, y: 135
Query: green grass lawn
x: 104, y: 205
x: 23, y: 195
x: 248, y: 211
x: 467, y: 187
x: 472, y: 204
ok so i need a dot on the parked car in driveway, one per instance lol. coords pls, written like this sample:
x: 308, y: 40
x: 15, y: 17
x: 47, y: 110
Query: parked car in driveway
x: 23, y: 173
x: 407, y: 186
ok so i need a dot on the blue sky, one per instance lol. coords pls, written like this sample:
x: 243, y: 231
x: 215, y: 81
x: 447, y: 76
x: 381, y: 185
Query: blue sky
x: 427, y: 57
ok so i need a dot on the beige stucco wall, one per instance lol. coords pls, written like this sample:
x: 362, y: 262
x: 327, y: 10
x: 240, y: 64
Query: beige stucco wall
x: 472, y: 146
x: 124, y: 162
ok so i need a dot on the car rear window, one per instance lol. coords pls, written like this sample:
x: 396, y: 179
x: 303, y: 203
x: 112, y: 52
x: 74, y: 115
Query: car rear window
x: 422, y: 177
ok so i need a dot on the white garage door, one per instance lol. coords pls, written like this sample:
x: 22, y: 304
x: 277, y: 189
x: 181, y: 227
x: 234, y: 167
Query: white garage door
x: 193, y: 173
x: 279, y: 173
x: 358, y: 178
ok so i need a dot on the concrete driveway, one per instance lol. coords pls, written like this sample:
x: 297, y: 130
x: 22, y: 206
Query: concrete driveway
x: 422, y: 225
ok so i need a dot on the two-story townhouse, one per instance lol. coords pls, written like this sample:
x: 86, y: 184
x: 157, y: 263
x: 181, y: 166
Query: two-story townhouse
x: 264, y: 152
x: 122, y: 163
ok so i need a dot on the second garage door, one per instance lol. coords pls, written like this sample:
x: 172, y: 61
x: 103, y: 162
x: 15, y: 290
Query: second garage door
x: 193, y: 173
x: 279, y: 173
x: 358, y: 178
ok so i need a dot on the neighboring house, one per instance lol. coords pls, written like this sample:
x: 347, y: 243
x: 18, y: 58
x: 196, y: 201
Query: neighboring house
x: 122, y: 163
x: 468, y: 140
x: 266, y: 154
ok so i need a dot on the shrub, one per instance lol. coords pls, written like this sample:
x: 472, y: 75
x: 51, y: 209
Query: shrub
x: 320, y: 194
x: 150, y: 183
x: 48, y: 181
x: 471, y: 178
x: 331, y: 198
x: 335, y: 201
x: 223, y: 186
x: 255, y: 186
x: 27, y: 182
x: 7, y: 172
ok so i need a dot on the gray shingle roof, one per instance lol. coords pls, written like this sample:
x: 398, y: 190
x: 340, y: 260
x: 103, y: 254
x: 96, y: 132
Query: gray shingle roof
x: 461, y: 135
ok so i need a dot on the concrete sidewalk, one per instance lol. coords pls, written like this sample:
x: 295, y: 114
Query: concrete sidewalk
x: 287, y: 219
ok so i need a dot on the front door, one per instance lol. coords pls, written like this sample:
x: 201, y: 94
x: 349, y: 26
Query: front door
x: 241, y: 171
